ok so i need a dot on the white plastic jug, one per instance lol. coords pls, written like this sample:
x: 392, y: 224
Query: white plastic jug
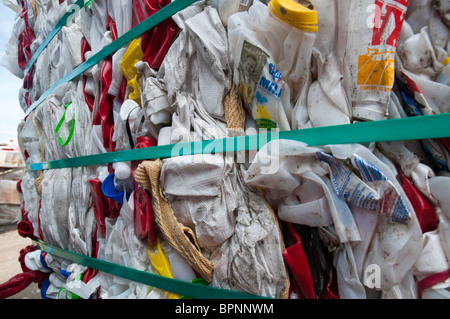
x: 271, y: 49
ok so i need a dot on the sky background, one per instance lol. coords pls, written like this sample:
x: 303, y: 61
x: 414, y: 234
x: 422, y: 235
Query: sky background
x: 10, y: 112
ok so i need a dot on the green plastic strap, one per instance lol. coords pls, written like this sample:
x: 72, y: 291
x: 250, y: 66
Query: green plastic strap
x: 172, y: 285
x: 61, y: 23
x: 158, y: 17
x: 62, y: 289
x: 61, y: 122
x: 411, y: 128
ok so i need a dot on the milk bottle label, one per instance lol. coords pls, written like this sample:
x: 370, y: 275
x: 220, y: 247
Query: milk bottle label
x: 259, y: 85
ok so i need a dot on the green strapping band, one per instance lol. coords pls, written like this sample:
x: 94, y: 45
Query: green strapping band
x: 158, y: 17
x: 61, y: 23
x: 410, y: 128
x: 164, y: 283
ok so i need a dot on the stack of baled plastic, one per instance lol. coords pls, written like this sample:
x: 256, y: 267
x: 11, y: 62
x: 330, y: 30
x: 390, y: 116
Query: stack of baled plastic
x: 287, y: 219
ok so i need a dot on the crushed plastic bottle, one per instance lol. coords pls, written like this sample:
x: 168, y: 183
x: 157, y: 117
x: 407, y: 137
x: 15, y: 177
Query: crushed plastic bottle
x: 271, y: 48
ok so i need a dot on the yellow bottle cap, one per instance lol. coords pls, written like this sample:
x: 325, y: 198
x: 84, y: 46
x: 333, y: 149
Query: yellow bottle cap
x: 446, y: 61
x: 294, y: 14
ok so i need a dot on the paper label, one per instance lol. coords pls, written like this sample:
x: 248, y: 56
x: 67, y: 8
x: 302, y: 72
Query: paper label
x: 251, y: 64
x: 260, y: 85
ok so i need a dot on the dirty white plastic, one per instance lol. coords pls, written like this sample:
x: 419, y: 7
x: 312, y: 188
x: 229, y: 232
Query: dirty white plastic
x: 117, y: 72
x: 366, y: 222
x: 164, y: 136
x: 121, y: 246
x: 432, y: 258
x: 409, y: 163
x: 128, y: 111
x: 33, y: 261
x: 12, y: 5
x: 395, y: 257
x: 31, y: 201
x: 415, y: 53
x: 325, y: 98
x: 93, y: 24
x: 10, y: 57
x: 226, y: 8
x: 122, y: 170
x: 198, y: 62
x: 322, y: 110
x: 438, y: 187
x: 80, y: 288
x: 121, y: 13
x: 428, y: 80
x: 284, y: 186
x: 156, y: 106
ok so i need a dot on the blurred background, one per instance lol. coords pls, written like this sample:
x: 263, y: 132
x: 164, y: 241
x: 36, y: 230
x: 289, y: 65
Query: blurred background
x: 11, y: 160
x: 10, y: 112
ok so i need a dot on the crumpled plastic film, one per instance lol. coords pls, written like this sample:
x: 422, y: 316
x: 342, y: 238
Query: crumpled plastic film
x: 203, y: 46
x: 193, y: 120
x: 124, y: 250
x: 283, y: 190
